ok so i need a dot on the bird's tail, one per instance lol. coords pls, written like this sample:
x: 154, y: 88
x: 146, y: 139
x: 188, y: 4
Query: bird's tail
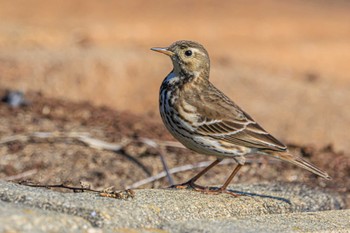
x: 285, y: 156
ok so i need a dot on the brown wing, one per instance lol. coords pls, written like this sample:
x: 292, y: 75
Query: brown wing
x: 249, y: 135
x: 226, y: 121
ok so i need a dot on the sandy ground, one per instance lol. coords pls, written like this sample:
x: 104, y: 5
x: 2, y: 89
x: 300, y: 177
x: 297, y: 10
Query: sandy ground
x: 86, y: 66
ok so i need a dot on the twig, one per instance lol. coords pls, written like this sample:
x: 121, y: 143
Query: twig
x: 63, y: 186
x: 86, y: 139
x: 165, y: 166
x: 184, y: 168
x: 175, y: 170
x: 155, y: 143
x: 98, y: 144
x: 21, y: 175
x: 136, y: 161
x: 81, y: 137
x: 160, y: 147
x: 122, y: 194
x: 21, y: 138
x: 171, y: 171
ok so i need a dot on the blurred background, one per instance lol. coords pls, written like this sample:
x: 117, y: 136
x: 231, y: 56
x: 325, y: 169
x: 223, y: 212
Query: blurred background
x: 284, y: 62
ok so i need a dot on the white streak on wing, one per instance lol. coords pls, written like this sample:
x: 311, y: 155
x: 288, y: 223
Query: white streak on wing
x: 207, y: 141
x: 211, y: 122
x: 225, y: 133
x: 189, y: 107
x: 213, y: 146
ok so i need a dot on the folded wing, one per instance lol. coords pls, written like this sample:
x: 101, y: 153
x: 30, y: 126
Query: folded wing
x: 228, y: 122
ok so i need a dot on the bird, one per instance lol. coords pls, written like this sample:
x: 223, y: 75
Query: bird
x: 205, y: 120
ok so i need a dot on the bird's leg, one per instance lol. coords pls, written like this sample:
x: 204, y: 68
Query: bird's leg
x: 191, y: 182
x: 223, y: 188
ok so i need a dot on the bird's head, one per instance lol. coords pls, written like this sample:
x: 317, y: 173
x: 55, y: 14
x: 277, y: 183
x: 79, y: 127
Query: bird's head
x: 189, y: 58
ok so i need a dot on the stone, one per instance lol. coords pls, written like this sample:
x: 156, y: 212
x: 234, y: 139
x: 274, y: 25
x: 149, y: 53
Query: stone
x: 169, y: 209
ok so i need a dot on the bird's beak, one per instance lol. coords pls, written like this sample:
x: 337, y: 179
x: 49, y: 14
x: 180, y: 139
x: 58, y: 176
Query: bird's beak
x: 166, y: 51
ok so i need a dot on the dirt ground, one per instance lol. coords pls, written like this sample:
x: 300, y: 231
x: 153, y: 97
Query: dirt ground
x: 85, y: 66
x: 63, y: 160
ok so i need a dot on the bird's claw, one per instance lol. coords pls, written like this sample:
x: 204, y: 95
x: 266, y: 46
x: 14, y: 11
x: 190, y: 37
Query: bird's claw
x: 205, y: 190
x: 219, y: 191
x: 189, y: 184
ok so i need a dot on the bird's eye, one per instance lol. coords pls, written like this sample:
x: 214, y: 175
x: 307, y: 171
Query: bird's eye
x: 188, y: 53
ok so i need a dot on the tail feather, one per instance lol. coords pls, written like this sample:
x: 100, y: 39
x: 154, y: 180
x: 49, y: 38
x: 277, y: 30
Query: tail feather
x: 302, y: 163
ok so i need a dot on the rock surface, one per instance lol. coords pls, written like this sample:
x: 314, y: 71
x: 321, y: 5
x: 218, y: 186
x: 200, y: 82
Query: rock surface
x: 263, y: 207
x: 325, y: 221
x: 19, y: 218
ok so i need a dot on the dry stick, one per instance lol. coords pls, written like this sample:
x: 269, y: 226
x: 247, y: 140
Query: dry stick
x: 160, y: 148
x: 21, y: 175
x: 86, y: 139
x: 165, y: 166
x: 63, y: 186
x: 82, y: 137
x: 122, y: 194
x: 171, y: 171
x: 182, y: 169
x: 117, y: 148
x: 136, y: 161
x: 155, y: 143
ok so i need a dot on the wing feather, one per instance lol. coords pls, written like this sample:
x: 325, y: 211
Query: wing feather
x: 226, y: 121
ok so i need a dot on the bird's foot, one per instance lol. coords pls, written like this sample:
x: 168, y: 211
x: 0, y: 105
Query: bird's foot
x: 205, y: 190
x: 189, y: 184
x: 217, y: 191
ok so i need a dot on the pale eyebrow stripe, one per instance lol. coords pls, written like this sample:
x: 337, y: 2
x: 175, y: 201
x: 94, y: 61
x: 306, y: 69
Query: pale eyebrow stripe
x: 198, y: 51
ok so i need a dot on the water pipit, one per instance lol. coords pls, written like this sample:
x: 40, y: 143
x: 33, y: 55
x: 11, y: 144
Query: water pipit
x: 206, y: 121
